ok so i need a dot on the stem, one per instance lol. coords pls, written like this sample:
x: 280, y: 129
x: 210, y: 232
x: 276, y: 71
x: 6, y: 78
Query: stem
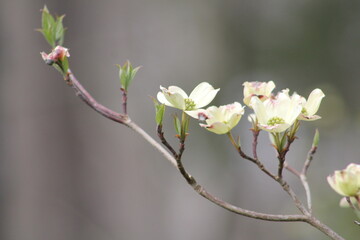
x: 303, y: 177
x: 164, y: 141
x: 254, y: 160
x: 255, y: 142
x: 282, y: 154
x: 323, y: 228
x: 306, y: 186
x: 124, y: 100
x: 125, y: 120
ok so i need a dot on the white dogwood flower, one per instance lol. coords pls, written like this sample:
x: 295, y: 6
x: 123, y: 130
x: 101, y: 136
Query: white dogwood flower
x: 219, y: 120
x: 311, y: 105
x: 276, y: 114
x: 346, y: 182
x: 175, y: 97
x: 262, y: 90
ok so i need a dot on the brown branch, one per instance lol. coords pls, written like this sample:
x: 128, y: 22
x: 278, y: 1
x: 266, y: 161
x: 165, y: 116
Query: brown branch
x: 124, y: 100
x: 308, y: 160
x: 161, y: 136
x: 282, y: 155
x: 291, y: 169
x: 90, y: 101
x: 255, y: 142
x: 125, y: 120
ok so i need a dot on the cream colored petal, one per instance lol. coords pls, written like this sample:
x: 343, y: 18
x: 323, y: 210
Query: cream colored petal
x: 259, y: 110
x: 217, y: 127
x: 293, y: 112
x: 200, y: 114
x: 230, y: 109
x: 308, y: 118
x: 313, y: 102
x: 277, y: 128
x: 162, y: 99
x: 215, y: 114
x: 234, y: 120
x: 282, y: 105
x: 333, y: 185
x: 269, y: 88
x: 247, y: 99
x: 175, y: 89
x: 203, y: 94
x: 175, y: 96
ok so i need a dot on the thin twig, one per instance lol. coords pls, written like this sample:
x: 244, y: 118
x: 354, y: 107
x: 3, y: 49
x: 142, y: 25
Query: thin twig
x: 255, y: 142
x: 161, y: 136
x: 308, y: 160
x: 291, y: 169
x: 303, y: 177
x: 253, y: 160
x: 124, y: 100
x: 282, y: 155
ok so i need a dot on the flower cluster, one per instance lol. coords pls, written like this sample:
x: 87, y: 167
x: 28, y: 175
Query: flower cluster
x: 278, y: 113
x: 219, y: 120
x: 273, y: 113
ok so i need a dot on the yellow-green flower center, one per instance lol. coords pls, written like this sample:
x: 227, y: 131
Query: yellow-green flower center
x: 189, y: 104
x: 304, y: 111
x: 275, y: 120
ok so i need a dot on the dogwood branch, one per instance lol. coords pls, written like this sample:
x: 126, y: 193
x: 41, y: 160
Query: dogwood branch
x: 125, y: 120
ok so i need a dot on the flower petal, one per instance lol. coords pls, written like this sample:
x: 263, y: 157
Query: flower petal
x: 259, y: 110
x: 274, y: 128
x: 313, y: 102
x: 217, y: 127
x: 308, y: 118
x: 161, y: 98
x: 174, y: 96
x: 175, y: 89
x: 203, y: 94
x: 200, y: 114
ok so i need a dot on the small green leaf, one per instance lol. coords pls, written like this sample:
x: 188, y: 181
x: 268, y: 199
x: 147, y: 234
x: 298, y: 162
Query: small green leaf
x: 59, y: 29
x: 59, y: 68
x: 126, y: 74
x: 283, y: 141
x: 177, y: 125
x: 316, y: 138
x: 45, y: 18
x: 65, y: 65
x: 48, y: 23
x: 159, y: 111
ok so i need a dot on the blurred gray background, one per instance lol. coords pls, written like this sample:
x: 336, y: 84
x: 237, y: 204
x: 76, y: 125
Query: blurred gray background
x: 68, y: 173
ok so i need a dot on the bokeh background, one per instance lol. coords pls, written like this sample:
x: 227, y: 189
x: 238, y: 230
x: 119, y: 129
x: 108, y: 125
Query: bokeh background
x: 68, y: 173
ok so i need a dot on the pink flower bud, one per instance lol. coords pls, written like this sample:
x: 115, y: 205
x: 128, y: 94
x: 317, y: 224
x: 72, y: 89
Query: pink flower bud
x: 58, y: 53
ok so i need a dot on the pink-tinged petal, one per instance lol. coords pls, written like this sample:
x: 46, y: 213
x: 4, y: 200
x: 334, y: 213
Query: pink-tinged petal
x: 174, y: 96
x: 217, y: 127
x: 262, y: 90
x: 203, y: 94
x: 200, y: 114
x: 308, y: 118
x: 44, y: 56
x: 274, y: 128
x: 269, y: 87
x: 175, y: 89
